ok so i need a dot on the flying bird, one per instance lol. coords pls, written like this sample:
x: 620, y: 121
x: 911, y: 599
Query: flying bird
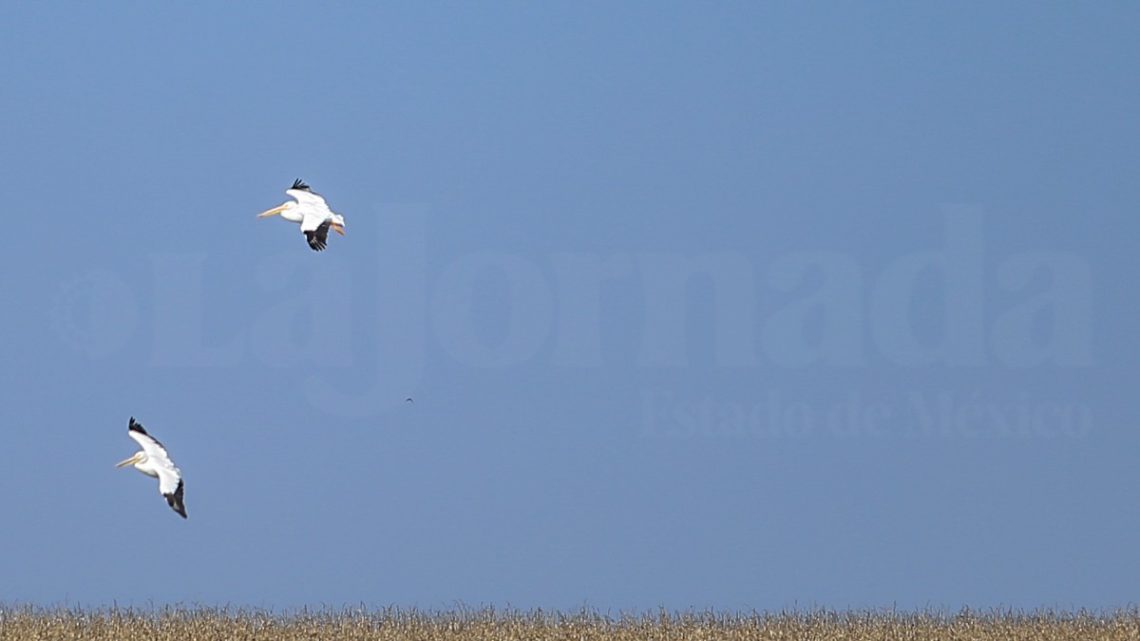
x: 153, y: 461
x: 311, y: 210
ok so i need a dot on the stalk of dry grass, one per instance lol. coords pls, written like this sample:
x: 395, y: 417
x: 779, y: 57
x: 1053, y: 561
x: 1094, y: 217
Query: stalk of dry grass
x: 25, y: 623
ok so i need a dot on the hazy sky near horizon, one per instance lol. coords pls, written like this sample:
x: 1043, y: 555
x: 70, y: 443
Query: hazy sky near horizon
x: 731, y: 305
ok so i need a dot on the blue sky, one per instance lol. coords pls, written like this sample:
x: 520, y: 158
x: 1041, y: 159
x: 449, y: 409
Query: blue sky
x: 734, y: 305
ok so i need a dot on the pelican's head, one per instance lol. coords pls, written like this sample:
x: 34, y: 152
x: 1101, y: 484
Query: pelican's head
x: 278, y: 209
x: 139, y: 457
x: 337, y: 224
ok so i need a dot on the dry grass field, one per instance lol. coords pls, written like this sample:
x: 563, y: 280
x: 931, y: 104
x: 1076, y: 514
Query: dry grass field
x: 201, y: 624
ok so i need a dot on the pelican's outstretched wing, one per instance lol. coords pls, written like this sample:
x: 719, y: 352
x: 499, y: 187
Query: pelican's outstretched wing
x: 154, y: 450
x: 305, y: 195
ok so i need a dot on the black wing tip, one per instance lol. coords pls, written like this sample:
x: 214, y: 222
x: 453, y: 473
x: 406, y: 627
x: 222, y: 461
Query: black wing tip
x: 318, y: 239
x: 316, y: 244
x: 300, y: 184
x: 135, y: 426
x: 174, y: 500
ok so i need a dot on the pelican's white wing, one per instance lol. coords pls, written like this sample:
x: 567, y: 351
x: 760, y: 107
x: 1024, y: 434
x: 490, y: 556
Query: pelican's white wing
x: 170, y: 481
x: 155, y: 452
x: 313, y: 219
x: 308, y: 198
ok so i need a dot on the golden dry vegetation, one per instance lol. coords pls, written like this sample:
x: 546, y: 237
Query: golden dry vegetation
x: 201, y: 624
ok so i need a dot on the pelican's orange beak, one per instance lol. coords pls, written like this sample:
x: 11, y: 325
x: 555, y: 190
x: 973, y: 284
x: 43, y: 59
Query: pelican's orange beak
x: 272, y: 212
x: 131, y: 461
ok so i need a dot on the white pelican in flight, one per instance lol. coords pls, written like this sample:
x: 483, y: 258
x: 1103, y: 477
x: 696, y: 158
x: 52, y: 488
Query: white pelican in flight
x: 153, y: 461
x: 311, y: 211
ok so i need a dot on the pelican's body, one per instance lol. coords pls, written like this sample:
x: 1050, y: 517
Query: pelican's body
x: 311, y: 211
x: 153, y: 461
